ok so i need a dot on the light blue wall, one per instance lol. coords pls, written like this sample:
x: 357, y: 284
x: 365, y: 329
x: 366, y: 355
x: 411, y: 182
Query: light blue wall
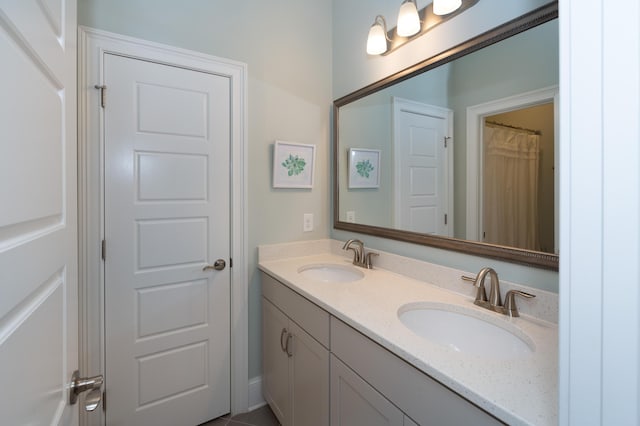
x: 287, y: 46
x: 354, y: 69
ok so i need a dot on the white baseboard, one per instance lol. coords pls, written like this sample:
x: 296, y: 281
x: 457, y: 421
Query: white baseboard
x: 255, y: 393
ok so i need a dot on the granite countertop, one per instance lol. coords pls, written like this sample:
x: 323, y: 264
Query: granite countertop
x: 518, y: 391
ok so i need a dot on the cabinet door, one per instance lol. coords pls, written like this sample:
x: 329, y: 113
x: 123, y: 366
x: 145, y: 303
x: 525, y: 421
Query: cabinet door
x: 275, y: 362
x: 355, y: 403
x: 309, y: 369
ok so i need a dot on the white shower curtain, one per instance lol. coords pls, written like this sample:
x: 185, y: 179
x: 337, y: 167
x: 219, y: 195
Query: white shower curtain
x: 510, y: 187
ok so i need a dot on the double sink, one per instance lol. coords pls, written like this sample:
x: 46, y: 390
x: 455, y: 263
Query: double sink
x: 464, y: 330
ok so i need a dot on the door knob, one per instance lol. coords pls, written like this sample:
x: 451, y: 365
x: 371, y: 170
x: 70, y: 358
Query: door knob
x: 218, y: 265
x: 84, y: 384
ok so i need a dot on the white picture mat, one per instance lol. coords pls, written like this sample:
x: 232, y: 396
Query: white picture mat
x: 293, y: 165
x: 369, y: 162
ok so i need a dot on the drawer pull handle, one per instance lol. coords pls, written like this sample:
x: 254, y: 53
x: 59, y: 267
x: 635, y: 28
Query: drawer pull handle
x: 282, y: 343
x: 289, y: 350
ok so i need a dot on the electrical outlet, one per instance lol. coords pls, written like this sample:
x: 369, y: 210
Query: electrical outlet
x: 307, y: 222
x: 351, y: 216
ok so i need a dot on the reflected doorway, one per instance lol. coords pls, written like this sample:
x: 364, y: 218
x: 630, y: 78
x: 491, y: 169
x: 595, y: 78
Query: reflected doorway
x: 518, y: 178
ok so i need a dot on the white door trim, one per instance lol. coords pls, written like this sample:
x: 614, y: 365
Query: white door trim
x: 475, y: 116
x: 92, y: 45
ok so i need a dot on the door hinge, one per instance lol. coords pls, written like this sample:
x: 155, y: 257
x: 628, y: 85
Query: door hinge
x: 445, y: 218
x: 103, y: 250
x: 445, y: 140
x: 103, y: 94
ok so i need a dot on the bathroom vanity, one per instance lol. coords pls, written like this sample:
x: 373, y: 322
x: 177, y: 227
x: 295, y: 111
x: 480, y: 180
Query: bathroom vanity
x: 337, y: 348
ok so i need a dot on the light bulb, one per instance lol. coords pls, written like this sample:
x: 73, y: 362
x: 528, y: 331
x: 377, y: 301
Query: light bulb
x: 408, y: 19
x: 377, y: 40
x: 445, y: 7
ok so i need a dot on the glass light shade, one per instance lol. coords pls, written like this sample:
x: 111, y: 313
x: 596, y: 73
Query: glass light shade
x: 445, y: 7
x: 377, y: 40
x: 408, y: 19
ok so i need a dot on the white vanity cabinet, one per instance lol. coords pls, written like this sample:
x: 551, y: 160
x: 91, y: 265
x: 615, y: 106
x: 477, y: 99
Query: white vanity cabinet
x: 311, y: 358
x: 356, y: 403
x: 415, y: 394
x: 295, y: 356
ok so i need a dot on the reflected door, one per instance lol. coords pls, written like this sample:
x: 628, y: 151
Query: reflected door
x: 422, y: 158
x: 167, y: 136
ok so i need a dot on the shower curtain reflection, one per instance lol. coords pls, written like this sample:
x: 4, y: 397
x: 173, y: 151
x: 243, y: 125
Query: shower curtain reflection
x: 510, y: 186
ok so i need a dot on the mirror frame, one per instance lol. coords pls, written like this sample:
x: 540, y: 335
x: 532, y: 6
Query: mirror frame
x: 537, y: 259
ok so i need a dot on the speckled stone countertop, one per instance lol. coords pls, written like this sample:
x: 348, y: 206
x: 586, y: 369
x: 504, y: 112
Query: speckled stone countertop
x: 518, y: 391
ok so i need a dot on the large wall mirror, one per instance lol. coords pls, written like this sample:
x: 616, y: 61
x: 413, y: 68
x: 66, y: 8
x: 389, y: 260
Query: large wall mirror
x: 459, y: 151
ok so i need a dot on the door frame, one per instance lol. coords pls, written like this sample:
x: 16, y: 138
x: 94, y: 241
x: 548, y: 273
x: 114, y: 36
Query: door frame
x: 92, y: 46
x: 475, y: 123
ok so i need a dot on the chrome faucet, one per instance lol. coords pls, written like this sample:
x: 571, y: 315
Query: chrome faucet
x: 360, y: 258
x: 494, y: 302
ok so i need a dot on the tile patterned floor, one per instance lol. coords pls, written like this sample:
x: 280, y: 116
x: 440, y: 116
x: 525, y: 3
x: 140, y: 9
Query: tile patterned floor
x: 260, y: 417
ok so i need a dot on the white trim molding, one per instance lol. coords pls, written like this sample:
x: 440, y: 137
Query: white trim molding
x: 256, y: 400
x: 93, y: 45
x: 599, y: 381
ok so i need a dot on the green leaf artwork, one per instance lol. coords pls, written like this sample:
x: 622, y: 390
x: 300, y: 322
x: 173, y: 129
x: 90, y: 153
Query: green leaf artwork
x: 364, y: 168
x: 294, y: 165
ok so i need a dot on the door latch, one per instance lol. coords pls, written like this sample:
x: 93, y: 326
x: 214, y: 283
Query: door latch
x: 90, y: 384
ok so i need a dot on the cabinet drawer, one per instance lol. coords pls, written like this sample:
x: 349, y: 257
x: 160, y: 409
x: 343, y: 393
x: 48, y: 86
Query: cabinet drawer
x: 313, y: 319
x: 415, y: 393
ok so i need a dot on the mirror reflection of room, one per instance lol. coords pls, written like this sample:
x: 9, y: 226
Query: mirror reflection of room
x: 445, y: 197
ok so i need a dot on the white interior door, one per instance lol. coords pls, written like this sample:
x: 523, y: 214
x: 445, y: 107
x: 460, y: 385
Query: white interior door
x: 167, y: 136
x: 422, y: 163
x: 38, y: 223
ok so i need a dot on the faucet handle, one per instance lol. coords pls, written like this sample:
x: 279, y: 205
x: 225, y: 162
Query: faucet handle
x: 368, y: 261
x: 510, y: 307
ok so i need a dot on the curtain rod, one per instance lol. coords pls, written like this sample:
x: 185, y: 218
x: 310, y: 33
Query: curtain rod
x: 495, y: 123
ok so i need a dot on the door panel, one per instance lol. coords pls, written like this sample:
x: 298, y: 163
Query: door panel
x: 38, y: 224
x: 167, y: 141
x: 421, y: 163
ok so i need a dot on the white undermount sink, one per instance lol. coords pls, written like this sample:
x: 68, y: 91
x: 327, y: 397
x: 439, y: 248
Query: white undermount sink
x: 331, y: 272
x: 466, y: 331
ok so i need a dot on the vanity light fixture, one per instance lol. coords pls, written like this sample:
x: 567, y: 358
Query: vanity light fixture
x: 412, y: 23
x: 445, y: 7
x: 377, y: 40
x: 408, y: 19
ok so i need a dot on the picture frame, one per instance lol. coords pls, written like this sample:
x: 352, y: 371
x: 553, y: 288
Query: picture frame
x: 364, y: 168
x: 293, y: 165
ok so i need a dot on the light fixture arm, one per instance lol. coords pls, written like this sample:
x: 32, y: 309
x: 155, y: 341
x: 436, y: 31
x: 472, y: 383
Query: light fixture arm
x: 378, y: 39
x: 379, y: 20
